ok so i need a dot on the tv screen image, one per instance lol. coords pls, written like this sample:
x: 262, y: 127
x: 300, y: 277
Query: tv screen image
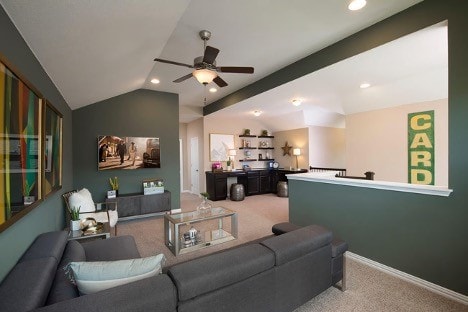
x: 116, y: 152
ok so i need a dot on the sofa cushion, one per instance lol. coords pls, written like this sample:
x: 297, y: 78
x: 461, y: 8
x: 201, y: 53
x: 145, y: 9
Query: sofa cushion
x: 212, y: 272
x: 62, y: 288
x: 114, y: 248
x: 91, y: 277
x: 27, y: 285
x: 49, y: 244
x: 297, y: 243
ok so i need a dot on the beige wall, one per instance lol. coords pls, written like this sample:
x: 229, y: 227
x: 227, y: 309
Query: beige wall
x: 327, y: 147
x: 378, y: 141
x: 297, y: 138
x: 236, y: 127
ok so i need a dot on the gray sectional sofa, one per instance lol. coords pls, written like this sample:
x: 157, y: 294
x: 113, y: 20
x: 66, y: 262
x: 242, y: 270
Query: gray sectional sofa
x: 278, y: 273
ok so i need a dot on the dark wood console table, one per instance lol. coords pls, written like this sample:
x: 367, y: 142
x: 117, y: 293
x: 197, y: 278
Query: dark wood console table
x: 255, y: 181
x: 134, y: 206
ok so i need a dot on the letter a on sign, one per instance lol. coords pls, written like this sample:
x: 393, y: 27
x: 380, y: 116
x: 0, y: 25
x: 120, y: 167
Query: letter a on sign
x: 421, y: 148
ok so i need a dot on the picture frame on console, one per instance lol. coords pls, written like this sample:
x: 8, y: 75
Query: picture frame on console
x: 121, y: 152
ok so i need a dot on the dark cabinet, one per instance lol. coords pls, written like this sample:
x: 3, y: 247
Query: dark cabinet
x: 265, y: 181
x: 132, y: 206
x: 254, y: 181
x: 216, y: 185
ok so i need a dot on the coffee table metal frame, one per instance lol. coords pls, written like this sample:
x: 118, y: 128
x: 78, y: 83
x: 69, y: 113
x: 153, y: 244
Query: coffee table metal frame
x: 173, y: 222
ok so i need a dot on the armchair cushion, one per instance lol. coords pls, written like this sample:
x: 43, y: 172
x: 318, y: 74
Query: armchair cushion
x: 82, y: 199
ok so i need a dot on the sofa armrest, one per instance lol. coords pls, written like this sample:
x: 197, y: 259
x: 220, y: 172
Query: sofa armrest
x: 114, y: 248
x: 295, y: 244
x: 156, y: 293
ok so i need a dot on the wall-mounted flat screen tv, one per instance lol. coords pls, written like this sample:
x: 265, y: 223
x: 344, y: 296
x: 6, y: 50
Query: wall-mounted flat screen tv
x: 116, y: 152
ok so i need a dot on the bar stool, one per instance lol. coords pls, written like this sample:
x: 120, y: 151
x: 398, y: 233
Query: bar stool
x: 237, y: 192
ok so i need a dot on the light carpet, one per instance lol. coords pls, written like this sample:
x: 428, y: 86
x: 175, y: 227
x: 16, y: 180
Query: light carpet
x: 368, y: 289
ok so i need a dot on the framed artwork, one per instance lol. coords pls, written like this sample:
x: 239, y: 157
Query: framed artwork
x: 20, y: 146
x: 52, y: 149
x: 116, y: 152
x: 220, y: 144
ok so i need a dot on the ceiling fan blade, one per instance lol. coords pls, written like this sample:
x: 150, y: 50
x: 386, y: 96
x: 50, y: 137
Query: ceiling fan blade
x: 183, y: 78
x: 235, y: 69
x: 173, y: 63
x: 220, y: 82
x: 210, y: 55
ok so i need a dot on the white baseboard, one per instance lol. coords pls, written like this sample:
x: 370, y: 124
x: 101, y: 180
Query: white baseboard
x: 410, y: 278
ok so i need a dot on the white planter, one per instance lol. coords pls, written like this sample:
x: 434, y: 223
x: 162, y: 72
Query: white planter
x: 75, y: 225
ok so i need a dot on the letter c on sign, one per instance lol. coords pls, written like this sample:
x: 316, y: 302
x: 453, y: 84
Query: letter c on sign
x: 415, y: 122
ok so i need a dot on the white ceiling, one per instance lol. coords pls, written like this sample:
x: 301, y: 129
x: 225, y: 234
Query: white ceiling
x: 94, y: 50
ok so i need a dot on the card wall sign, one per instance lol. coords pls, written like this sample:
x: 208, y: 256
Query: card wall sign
x: 421, y: 148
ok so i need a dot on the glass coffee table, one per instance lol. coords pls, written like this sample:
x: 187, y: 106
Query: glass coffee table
x: 180, y: 243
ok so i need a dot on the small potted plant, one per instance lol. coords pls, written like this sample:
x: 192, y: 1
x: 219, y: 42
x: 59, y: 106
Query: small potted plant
x: 228, y: 163
x: 27, y: 198
x: 74, y: 218
x: 246, y: 131
x: 114, y: 183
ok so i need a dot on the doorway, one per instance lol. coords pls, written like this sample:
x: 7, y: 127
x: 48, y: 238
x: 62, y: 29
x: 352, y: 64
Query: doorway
x: 194, y: 166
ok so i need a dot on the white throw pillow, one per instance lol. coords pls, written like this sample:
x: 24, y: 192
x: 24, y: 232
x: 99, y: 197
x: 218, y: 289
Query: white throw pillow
x: 82, y: 199
x: 91, y: 277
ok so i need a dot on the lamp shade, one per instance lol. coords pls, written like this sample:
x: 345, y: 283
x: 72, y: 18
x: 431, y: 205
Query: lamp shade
x: 297, y: 152
x: 204, y: 76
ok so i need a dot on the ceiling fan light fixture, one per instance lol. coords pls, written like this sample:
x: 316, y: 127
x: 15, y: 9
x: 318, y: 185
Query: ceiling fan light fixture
x: 204, y: 76
x: 296, y: 102
x: 356, y: 5
x: 155, y: 81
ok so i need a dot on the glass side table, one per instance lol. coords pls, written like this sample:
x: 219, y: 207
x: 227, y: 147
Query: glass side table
x: 102, y: 233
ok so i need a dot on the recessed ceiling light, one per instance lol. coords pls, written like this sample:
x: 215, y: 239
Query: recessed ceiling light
x: 213, y: 90
x: 357, y: 5
x: 257, y: 113
x: 155, y: 81
x: 296, y: 102
x: 364, y: 85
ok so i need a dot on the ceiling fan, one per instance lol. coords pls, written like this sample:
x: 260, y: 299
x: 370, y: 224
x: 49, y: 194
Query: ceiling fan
x: 205, y: 69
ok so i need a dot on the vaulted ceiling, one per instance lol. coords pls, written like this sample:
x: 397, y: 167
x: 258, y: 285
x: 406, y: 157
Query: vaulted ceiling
x: 94, y: 50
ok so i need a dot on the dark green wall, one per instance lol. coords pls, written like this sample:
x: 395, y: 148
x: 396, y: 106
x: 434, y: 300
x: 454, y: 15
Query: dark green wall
x: 419, y: 234
x: 49, y: 215
x: 425, y: 236
x: 140, y: 113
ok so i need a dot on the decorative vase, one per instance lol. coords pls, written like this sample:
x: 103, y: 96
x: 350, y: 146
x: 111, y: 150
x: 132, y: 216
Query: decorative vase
x: 204, y: 206
x: 75, y: 225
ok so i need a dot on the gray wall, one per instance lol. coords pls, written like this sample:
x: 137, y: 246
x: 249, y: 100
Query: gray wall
x: 422, y: 235
x: 49, y: 215
x: 140, y: 113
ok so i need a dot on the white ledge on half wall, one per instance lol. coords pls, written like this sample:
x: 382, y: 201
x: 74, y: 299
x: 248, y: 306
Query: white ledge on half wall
x: 329, y: 177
